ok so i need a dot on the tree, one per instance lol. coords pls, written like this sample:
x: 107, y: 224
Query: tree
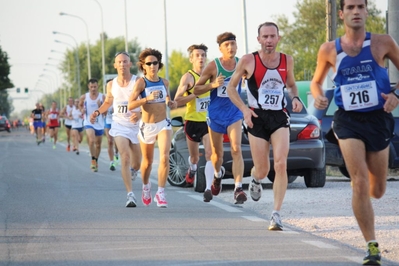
x: 303, y: 37
x: 178, y: 64
x: 112, y: 46
x: 5, y: 83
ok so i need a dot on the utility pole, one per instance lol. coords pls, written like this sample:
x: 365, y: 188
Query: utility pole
x: 393, y: 30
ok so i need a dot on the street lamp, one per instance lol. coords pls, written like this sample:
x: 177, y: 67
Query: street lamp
x: 69, y: 69
x: 57, y: 82
x: 102, y: 44
x: 88, y: 41
x: 76, y: 58
x: 166, y: 42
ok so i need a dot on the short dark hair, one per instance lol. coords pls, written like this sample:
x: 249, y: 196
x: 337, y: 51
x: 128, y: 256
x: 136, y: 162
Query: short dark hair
x: 226, y: 36
x: 93, y: 80
x: 197, y: 46
x: 342, y: 4
x: 268, y: 24
x: 147, y: 52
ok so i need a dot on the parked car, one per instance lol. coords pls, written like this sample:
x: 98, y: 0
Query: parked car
x: 333, y: 152
x: 5, y: 124
x: 306, y: 155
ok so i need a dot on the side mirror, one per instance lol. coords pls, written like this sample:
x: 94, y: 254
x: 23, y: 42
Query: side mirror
x: 177, y: 121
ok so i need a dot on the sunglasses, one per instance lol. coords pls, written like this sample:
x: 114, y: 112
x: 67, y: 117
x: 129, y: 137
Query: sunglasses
x: 152, y: 63
x: 125, y: 53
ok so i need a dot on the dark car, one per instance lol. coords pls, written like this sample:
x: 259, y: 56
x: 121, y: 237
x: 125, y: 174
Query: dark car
x: 305, y: 158
x: 5, y: 124
x: 333, y: 152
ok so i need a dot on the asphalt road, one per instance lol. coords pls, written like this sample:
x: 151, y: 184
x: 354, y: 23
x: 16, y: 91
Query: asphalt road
x: 55, y: 211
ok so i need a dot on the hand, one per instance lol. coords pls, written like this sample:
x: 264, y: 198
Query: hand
x: 135, y: 117
x: 391, y: 102
x: 172, y: 104
x: 248, y: 114
x: 93, y: 117
x: 296, y: 105
x: 219, y: 81
x: 321, y: 102
x: 154, y: 95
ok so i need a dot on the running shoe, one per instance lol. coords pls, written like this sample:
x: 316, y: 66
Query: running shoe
x: 96, y: 169
x: 38, y: 142
x: 68, y: 148
x: 216, y: 186
x: 112, y: 166
x: 161, y: 200
x: 77, y: 152
x: 146, y: 196
x: 131, y: 200
x: 116, y: 159
x: 208, y: 195
x: 275, y: 222
x: 239, y: 196
x: 134, y: 173
x: 93, y: 165
x: 373, y: 255
x: 190, y: 175
x: 54, y: 147
x: 74, y: 148
x: 255, y: 190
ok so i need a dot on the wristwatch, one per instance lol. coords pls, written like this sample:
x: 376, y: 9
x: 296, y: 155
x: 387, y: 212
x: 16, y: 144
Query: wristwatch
x: 395, y: 92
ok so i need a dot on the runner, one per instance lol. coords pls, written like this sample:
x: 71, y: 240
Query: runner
x: 53, y: 116
x: 68, y: 122
x: 77, y: 126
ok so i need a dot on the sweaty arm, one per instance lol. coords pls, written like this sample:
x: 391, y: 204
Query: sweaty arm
x: 209, y: 73
x: 325, y: 61
x: 244, y: 64
x: 293, y: 89
x: 186, y: 83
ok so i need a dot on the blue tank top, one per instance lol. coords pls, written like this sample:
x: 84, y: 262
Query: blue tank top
x: 151, y: 86
x: 220, y: 106
x: 359, y: 80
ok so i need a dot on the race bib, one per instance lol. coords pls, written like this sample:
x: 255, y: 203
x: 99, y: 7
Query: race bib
x: 202, y: 104
x: 359, y: 95
x: 270, y: 99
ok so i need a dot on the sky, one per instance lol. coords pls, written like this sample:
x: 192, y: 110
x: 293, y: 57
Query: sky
x: 26, y: 30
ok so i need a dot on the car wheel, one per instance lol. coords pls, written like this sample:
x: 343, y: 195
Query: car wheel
x: 315, y: 178
x: 291, y: 178
x: 344, y: 171
x: 177, y: 169
x: 200, y: 180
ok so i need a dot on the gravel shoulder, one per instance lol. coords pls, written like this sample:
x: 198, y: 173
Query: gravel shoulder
x: 327, y: 212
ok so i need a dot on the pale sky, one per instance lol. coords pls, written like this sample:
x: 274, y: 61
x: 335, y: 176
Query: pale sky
x: 26, y: 28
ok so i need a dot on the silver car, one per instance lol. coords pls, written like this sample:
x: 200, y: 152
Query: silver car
x: 306, y: 156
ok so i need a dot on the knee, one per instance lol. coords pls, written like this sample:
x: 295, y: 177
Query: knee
x: 280, y: 166
x: 377, y: 191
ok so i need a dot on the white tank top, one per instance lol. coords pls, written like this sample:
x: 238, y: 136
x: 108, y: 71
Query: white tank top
x: 91, y: 106
x: 77, y: 118
x: 68, y: 110
x: 121, y: 95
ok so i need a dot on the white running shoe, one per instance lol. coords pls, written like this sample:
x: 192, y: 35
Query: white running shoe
x: 131, y: 200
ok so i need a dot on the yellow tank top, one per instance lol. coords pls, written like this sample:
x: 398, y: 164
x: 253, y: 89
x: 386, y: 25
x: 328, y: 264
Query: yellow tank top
x: 197, y: 109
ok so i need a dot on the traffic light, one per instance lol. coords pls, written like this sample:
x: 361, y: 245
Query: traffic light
x: 26, y: 90
x: 18, y: 90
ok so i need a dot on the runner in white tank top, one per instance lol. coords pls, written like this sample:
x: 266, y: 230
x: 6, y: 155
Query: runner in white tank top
x: 89, y: 102
x: 124, y: 127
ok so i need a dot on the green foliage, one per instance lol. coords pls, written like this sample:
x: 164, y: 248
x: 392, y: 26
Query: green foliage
x: 178, y: 65
x: 5, y: 83
x: 303, y: 37
x: 112, y: 46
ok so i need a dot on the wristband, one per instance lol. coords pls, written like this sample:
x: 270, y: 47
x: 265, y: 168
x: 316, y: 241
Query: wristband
x: 98, y: 112
x: 296, y: 97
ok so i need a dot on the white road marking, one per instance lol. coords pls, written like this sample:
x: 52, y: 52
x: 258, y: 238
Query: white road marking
x: 254, y: 218
x: 320, y: 244
x: 217, y: 204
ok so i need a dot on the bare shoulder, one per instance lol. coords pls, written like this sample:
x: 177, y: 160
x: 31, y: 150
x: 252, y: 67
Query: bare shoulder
x: 327, y: 48
x: 166, y: 82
